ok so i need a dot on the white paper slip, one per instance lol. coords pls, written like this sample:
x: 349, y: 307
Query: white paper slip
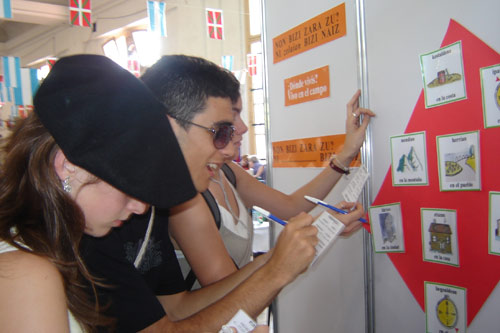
x: 353, y: 189
x: 241, y: 321
x: 329, y: 228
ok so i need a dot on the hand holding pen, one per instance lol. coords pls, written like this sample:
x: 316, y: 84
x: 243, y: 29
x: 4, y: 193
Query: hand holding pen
x: 350, y: 213
x: 338, y: 210
x: 295, y: 246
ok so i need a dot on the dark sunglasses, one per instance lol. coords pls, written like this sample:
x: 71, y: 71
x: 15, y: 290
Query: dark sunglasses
x: 222, y: 134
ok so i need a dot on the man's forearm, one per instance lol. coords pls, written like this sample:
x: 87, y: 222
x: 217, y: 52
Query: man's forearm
x: 253, y: 296
x: 197, y: 300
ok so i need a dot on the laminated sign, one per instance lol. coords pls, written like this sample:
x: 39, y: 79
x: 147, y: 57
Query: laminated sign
x: 319, y: 30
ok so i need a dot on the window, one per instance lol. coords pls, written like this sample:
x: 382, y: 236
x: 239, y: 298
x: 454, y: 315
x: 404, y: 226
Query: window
x: 257, y: 119
x: 134, y: 50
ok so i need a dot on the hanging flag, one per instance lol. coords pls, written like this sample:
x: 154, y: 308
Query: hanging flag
x: 29, y: 85
x: 215, y: 24
x: 20, y: 111
x: 80, y: 13
x: 134, y: 67
x: 11, y: 67
x: 3, y: 91
x: 18, y: 95
x: 11, y: 71
x: 17, y: 85
x: 51, y: 62
x: 227, y: 62
x: 157, y: 19
x: 5, y: 9
x: 252, y: 64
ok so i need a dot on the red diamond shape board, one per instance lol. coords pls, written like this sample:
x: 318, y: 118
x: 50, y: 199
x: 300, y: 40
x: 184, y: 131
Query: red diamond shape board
x: 478, y: 271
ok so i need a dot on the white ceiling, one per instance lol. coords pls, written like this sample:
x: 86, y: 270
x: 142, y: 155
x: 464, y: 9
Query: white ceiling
x: 28, y: 15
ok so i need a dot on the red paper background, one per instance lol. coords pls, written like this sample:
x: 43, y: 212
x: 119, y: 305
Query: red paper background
x: 478, y: 271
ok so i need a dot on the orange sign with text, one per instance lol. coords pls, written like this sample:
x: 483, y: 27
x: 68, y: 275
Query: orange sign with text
x: 308, y: 152
x: 308, y: 86
x: 319, y: 30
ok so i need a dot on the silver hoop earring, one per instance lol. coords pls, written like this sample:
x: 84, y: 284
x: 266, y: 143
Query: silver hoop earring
x: 66, y: 185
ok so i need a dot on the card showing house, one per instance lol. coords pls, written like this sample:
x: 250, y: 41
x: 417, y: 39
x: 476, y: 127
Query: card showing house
x: 490, y: 89
x: 459, y: 162
x: 445, y: 308
x: 494, y: 223
x: 443, y: 75
x: 387, y: 228
x: 409, y: 160
x: 439, y: 235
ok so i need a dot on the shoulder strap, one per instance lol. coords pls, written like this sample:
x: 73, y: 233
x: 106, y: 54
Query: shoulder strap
x: 214, y: 209
x: 209, y: 198
x: 229, y: 173
x: 212, y: 204
x: 190, y: 280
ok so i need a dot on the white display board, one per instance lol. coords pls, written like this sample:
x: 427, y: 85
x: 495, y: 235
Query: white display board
x: 330, y: 296
x: 397, y: 33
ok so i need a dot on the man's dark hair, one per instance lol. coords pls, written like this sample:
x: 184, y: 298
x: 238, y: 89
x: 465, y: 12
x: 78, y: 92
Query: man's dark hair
x: 184, y: 83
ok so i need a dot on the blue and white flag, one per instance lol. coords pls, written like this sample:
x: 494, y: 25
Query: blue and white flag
x: 227, y: 62
x: 19, y: 84
x: 157, y: 19
x: 11, y: 68
x: 4, y: 97
x: 29, y: 85
x: 11, y: 71
x: 14, y: 113
x: 5, y: 9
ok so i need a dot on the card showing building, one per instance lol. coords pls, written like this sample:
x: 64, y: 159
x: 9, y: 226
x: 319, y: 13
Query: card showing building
x: 409, y: 160
x: 459, y: 162
x: 443, y: 75
x: 387, y: 228
x: 439, y: 235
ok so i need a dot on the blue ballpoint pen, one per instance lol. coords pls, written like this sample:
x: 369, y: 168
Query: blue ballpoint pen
x: 269, y: 215
x: 322, y: 203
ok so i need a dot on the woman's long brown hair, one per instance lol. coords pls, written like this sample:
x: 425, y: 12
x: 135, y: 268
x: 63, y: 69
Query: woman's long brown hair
x: 45, y: 218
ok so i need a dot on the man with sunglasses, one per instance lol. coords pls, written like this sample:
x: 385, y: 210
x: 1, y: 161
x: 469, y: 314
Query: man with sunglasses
x: 137, y: 262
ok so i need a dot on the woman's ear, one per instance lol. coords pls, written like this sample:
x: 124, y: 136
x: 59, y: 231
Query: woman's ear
x: 63, y: 167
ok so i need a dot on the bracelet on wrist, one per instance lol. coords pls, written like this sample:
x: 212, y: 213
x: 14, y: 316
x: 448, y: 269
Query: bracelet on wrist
x: 339, y: 167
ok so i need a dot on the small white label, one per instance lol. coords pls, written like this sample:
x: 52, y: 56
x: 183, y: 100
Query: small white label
x: 353, y: 190
x: 241, y: 322
x: 329, y: 228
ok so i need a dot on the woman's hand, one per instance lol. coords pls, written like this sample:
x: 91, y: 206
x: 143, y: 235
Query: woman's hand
x: 355, y: 131
x: 350, y: 220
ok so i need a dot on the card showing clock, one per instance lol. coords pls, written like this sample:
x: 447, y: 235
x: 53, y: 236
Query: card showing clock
x: 445, y: 308
x: 490, y: 89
